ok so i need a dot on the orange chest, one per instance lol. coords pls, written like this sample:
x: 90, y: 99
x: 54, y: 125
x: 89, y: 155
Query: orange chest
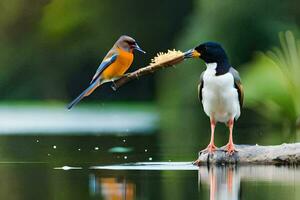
x: 120, y: 66
x: 124, y: 59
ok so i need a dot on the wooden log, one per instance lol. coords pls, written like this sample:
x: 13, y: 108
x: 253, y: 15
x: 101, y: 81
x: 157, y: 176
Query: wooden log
x: 253, y: 154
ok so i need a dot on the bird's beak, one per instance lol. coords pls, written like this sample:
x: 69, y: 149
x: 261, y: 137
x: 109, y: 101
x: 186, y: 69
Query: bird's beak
x: 136, y: 46
x: 195, y: 54
x: 192, y: 53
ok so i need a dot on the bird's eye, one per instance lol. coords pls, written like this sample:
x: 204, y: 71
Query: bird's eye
x: 130, y: 42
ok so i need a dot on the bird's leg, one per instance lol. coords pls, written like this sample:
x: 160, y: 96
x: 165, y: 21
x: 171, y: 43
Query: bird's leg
x: 114, y: 85
x: 211, y: 148
x: 230, y: 146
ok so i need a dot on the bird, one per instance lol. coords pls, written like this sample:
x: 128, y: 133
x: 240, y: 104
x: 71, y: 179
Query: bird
x: 116, y: 62
x: 219, y: 90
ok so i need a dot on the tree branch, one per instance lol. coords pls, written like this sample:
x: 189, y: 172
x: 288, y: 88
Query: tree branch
x: 254, y: 154
x: 162, y: 60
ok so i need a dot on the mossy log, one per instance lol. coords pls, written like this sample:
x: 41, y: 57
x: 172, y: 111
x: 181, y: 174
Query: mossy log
x: 253, y: 154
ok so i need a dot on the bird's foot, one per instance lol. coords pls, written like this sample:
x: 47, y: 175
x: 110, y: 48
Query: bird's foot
x: 197, y: 162
x: 114, y: 86
x: 230, y: 149
x: 211, y: 148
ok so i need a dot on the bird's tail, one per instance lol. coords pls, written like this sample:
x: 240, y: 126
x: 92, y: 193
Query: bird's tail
x: 85, y: 93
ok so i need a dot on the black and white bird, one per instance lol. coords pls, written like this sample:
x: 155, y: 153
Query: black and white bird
x: 220, y: 90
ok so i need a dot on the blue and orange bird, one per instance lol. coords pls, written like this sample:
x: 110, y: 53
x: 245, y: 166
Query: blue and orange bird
x: 113, y: 66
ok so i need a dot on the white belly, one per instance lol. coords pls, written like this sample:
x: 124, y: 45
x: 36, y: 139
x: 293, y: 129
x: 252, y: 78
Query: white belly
x: 219, y: 96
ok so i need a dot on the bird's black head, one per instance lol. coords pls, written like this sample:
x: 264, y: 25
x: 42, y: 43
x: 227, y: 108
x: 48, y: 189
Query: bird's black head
x: 212, y: 52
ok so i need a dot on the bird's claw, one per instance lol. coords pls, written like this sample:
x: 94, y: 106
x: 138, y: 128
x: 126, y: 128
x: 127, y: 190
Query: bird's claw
x: 196, y: 162
x: 230, y: 149
x: 210, y: 149
x: 114, y: 86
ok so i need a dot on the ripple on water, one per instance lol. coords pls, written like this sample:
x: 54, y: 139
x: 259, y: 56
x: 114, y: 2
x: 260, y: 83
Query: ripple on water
x: 150, y: 166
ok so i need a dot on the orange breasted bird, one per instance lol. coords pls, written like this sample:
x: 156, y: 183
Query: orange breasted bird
x: 220, y: 90
x: 113, y: 66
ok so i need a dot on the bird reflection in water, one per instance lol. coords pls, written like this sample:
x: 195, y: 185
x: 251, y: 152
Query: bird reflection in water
x: 224, y: 182
x: 179, y: 181
x: 111, y: 188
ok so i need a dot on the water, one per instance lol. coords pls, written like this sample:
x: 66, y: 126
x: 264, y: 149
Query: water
x: 184, y: 181
x: 108, y: 168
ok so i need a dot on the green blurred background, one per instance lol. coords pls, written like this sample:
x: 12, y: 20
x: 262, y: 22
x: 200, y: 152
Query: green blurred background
x: 49, y: 50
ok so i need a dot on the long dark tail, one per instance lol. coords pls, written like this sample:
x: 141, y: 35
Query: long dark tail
x: 85, y: 93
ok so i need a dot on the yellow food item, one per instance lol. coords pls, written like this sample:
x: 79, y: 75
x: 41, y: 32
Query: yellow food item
x: 164, y: 58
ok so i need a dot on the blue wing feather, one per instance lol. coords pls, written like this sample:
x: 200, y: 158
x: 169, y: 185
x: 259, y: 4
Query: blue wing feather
x: 107, y: 61
x: 104, y: 64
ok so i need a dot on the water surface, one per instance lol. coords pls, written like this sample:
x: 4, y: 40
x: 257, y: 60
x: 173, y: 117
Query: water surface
x: 129, y: 167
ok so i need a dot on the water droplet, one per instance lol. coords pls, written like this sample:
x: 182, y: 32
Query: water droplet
x: 96, y: 148
x: 125, y: 157
x: 79, y: 149
x: 37, y: 141
x: 146, y: 150
x: 124, y: 140
x: 150, y: 158
x: 54, y: 146
x: 49, y: 154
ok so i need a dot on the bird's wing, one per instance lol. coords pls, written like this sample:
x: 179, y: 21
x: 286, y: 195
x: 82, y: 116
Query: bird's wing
x: 107, y: 61
x: 238, y: 84
x: 200, y: 87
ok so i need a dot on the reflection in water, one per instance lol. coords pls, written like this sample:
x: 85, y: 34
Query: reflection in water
x: 142, y: 180
x: 225, y: 181
x: 112, y: 188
